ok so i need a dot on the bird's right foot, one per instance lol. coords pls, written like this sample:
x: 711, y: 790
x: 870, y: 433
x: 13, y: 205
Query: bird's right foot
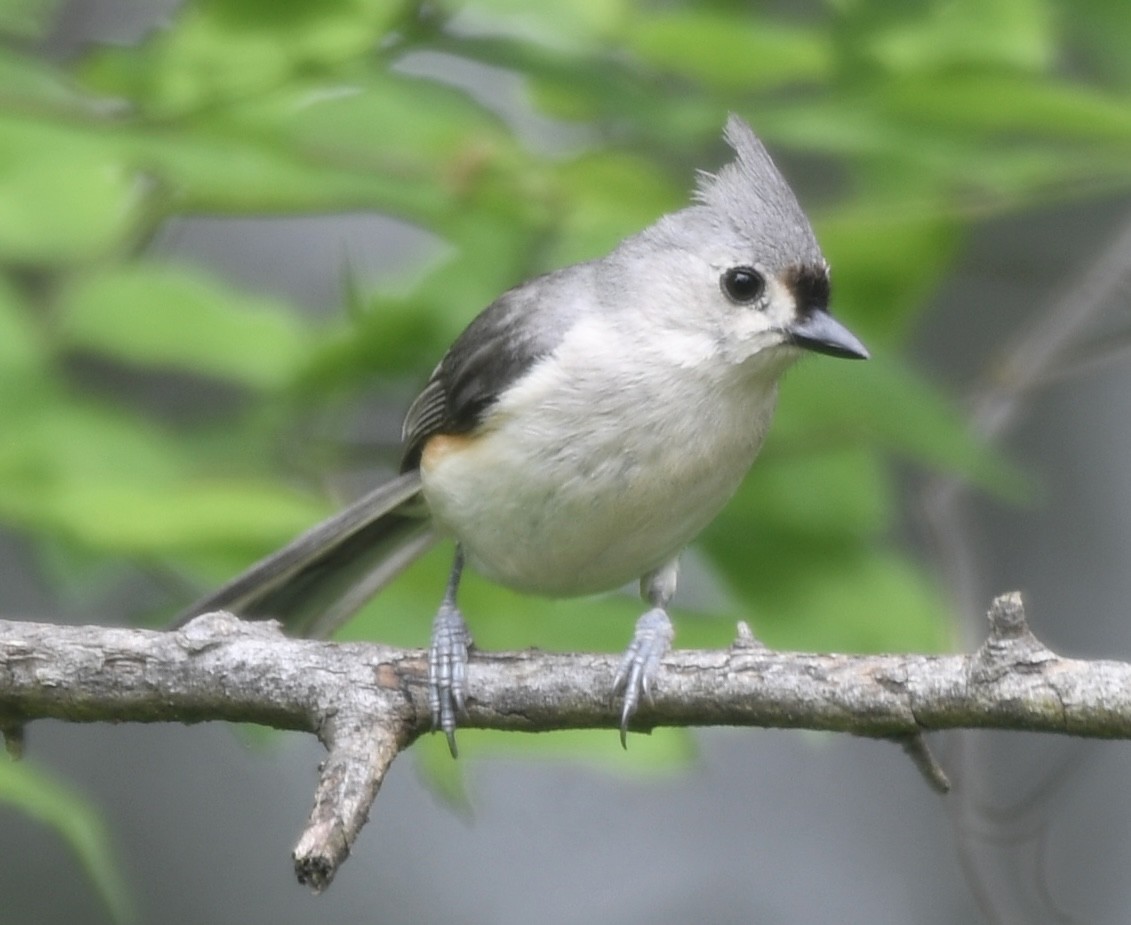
x: 650, y: 643
x: 447, y: 671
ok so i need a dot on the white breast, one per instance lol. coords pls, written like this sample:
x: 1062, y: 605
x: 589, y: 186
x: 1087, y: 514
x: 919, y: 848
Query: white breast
x: 602, y: 463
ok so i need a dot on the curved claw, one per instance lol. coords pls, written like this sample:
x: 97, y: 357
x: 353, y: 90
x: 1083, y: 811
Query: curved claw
x: 650, y: 642
x: 447, y: 671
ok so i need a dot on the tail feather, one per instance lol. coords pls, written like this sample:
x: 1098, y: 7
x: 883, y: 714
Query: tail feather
x: 323, y: 576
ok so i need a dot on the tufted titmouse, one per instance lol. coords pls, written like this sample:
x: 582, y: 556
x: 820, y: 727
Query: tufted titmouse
x: 584, y: 427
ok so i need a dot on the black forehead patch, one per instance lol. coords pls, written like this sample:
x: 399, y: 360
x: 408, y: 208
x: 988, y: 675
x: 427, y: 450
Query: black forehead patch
x: 810, y: 287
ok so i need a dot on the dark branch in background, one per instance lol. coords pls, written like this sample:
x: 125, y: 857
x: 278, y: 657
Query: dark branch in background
x: 1047, y: 351
x: 368, y: 702
x: 1059, y: 344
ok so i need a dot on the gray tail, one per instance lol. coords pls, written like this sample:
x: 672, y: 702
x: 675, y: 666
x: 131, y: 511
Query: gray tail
x: 321, y: 578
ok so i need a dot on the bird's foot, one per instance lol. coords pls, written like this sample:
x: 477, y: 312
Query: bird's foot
x: 447, y: 671
x: 650, y: 642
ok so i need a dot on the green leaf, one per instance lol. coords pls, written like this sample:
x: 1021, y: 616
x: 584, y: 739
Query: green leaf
x: 1098, y: 31
x: 31, y: 790
x: 113, y: 482
x: 382, y: 126
x: 65, y: 195
x: 217, y: 51
x: 661, y: 753
x: 911, y: 164
x: 1004, y: 33
x: 838, y: 492
x: 130, y: 519
x: 610, y: 195
x: 57, y: 439
x: 407, y: 146
x: 575, y: 24
x: 27, y: 19
x: 999, y: 105
x: 155, y: 316
x: 882, y: 296
x: 730, y: 52
x: 885, y: 402
x: 870, y: 601
x: 575, y: 87
x: 23, y: 355
x: 828, y: 594
x: 27, y: 82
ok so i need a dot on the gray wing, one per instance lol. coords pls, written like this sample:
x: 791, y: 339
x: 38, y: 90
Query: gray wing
x: 321, y: 577
x: 497, y: 348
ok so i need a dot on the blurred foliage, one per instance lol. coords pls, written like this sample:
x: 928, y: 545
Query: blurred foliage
x: 911, y: 121
x: 68, y: 813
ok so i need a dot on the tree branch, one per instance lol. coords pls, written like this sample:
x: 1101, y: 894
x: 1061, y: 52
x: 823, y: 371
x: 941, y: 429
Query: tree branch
x: 368, y: 702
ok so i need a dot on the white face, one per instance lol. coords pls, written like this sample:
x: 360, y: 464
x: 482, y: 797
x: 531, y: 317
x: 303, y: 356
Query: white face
x: 708, y: 302
x: 742, y: 308
x: 755, y: 309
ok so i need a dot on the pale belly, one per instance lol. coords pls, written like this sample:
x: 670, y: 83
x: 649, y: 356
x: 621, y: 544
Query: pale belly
x: 601, y: 510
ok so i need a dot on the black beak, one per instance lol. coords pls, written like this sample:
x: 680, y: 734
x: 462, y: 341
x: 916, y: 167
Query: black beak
x: 822, y: 333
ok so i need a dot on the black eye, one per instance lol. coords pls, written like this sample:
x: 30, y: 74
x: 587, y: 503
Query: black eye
x: 743, y: 285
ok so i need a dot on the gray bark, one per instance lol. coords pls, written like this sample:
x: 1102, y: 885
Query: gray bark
x: 368, y: 702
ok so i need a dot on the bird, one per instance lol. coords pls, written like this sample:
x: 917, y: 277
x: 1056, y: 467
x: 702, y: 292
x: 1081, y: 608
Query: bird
x: 583, y: 429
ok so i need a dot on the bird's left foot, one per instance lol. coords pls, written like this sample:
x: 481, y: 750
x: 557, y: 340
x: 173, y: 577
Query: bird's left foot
x: 651, y: 641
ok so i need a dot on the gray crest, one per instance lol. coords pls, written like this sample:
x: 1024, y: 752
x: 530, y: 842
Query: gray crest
x: 750, y: 196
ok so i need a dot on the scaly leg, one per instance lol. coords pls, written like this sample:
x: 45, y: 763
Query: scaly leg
x: 651, y: 642
x: 447, y: 660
